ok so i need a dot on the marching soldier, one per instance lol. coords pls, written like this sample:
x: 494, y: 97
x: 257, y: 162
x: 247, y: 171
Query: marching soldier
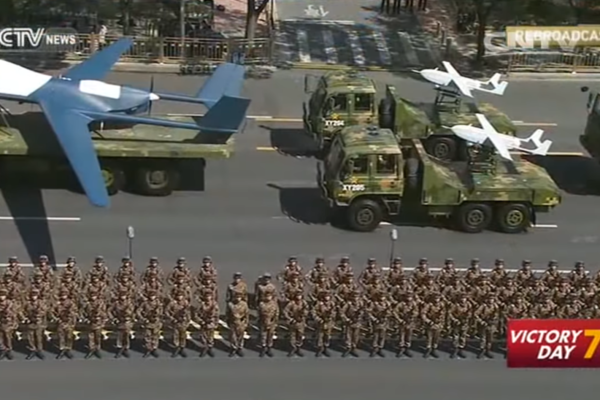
x: 207, y: 283
x: 295, y: 313
x: 47, y: 271
x: 179, y: 314
x: 379, y: 313
x: 16, y: 272
x: 578, y: 273
x: 264, y: 285
x: 151, y: 284
x: 291, y: 267
x: 42, y: 286
x: 366, y: 277
x: 483, y: 290
x: 207, y: 271
x: 72, y: 269
x: 426, y: 288
x: 406, y: 314
x: 318, y: 272
x: 395, y: 274
x: 352, y: 316
x: 126, y: 269
x: 524, y: 273
x: 487, y: 318
x: 96, y: 285
x: 399, y: 291
x: 551, y: 276
x: 96, y: 316
x: 238, y: 317
x: 571, y: 309
x: 181, y: 285
x: 346, y: 288
x: 534, y: 290
x: 100, y: 269
x: 320, y: 286
x: 341, y: 270
x: 560, y: 293
x: 180, y: 270
x: 291, y: 287
x: 66, y: 314
x: 517, y: 309
x: 454, y: 289
x: 150, y: 314
x: 498, y: 273
x: 507, y: 291
x: 152, y: 268
x: 122, y: 312
x: 126, y: 284
x: 545, y: 309
x: 207, y: 316
x: 14, y: 291
x: 421, y: 271
x: 447, y: 272
x: 459, y: 320
x: 433, y: 315
x: 473, y: 272
x: 36, y: 318
x: 9, y: 322
x: 237, y: 286
x: 268, y: 318
x: 324, y: 314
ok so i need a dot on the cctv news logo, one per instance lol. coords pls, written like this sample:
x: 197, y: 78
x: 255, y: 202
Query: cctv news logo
x: 553, y: 343
x: 39, y: 39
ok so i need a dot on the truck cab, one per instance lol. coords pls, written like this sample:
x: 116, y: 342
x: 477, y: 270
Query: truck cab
x: 590, y: 140
x: 336, y: 100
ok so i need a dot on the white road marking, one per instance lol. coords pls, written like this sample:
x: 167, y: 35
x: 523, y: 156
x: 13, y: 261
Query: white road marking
x: 382, y: 48
x: 330, y: 51
x: 486, y: 270
x: 4, y: 265
x: 58, y: 219
x: 357, y: 51
x: 303, y: 47
x: 408, y: 49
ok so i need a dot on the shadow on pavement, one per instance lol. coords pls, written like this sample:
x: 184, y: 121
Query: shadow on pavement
x: 292, y: 142
x: 577, y: 175
x: 303, y: 205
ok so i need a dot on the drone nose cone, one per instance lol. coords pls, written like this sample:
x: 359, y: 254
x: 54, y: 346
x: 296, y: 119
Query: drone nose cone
x: 154, y: 97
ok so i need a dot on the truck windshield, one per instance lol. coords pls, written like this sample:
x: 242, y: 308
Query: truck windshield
x: 334, y: 158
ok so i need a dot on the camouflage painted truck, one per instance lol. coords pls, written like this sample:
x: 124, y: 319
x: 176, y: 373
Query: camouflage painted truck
x: 367, y: 178
x: 149, y: 160
x: 341, y: 98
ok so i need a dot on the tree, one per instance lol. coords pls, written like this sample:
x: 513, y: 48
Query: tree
x: 255, y: 8
x: 585, y: 11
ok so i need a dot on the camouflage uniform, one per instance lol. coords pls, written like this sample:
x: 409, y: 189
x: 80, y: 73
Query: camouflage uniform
x: 578, y: 273
x: 447, y: 273
x: 180, y: 273
x: 291, y: 287
x: 151, y: 284
x: 268, y: 319
x: 318, y: 272
x: 406, y: 314
x: 324, y: 315
x: 545, y: 309
x: 460, y: 317
x: 15, y: 272
x: 346, y: 288
x: 126, y: 284
x: 153, y: 269
x: 352, y: 315
x: 524, y: 274
x: 295, y: 313
x: 66, y: 314
x: 9, y: 322
x: 237, y: 286
x: 36, y: 315
x: 96, y: 316
x: 395, y: 274
x: 150, y: 315
x: 207, y: 272
x: 487, y: 318
x: 72, y: 269
x: 551, y: 276
x: 473, y: 273
x: 341, y: 270
x: 421, y: 272
x: 367, y: 276
x: 100, y: 269
x: 238, y: 318
x: 179, y: 314
x: 122, y: 312
x: 70, y: 285
x: 291, y: 267
x: 96, y: 285
x: 207, y: 316
x: 571, y: 309
x: 263, y: 286
x: 379, y: 312
x: 46, y: 270
x: 498, y: 273
x: 433, y: 316
x: 320, y: 286
x: 38, y: 283
x: 126, y: 269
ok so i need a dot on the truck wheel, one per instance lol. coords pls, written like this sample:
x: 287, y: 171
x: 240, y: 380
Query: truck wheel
x: 156, y: 181
x: 114, y: 179
x: 513, y: 218
x: 474, y: 217
x: 442, y: 148
x: 364, y: 215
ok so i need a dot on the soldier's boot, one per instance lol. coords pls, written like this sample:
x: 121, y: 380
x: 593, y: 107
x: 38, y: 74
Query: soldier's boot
x: 299, y: 352
x: 210, y: 352
x: 119, y: 353
x: 175, y: 352
x: 427, y: 353
x: 183, y: 353
x: 40, y: 354
x: 269, y: 352
x: 126, y: 353
x: 203, y: 352
x: 400, y: 352
x: 326, y: 352
x: 346, y: 353
x: 407, y: 352
x: 31, y: 355
x: 69, y: 354
x: 489, y: 354
x: 154, y: 353
x: 435, y: 354
x: 380, y: 353
x: 353, y: 352
x: 240, y: 352
x: 3, y: 354
x: 90, y: 354
x: 263, y: 352
x: 454, y: 353
x: 481, y: 354
x: 9, y: 355
x: 292, y: 352
x: 232, y: 352
x: 461, y: 353
x: 61, y: 354
x: 98, y: 353
x: 374, y: 351
x: 319, y: 352
x: 147, y: 354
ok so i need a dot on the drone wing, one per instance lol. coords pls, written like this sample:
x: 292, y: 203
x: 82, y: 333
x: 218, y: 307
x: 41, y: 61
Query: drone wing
x: 99, y: 65
x: 457, y: 79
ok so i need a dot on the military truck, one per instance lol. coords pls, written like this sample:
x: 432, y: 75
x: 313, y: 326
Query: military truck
x: 341, y: 98
x: 149, y: 160
x: 590, y: 140
x: 367, y: 177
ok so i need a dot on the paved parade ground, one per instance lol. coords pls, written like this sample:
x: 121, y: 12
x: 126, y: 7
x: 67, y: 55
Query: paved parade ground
x: 262, y: 206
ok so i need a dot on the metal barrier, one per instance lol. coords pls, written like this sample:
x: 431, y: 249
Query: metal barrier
x: 537, y: 61
x: 176, y: 50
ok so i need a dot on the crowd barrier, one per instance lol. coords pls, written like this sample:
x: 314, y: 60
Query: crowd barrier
x: 554, y: 62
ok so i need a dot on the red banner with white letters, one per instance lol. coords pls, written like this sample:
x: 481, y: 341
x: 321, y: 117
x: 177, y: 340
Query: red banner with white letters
x: 553, y: 343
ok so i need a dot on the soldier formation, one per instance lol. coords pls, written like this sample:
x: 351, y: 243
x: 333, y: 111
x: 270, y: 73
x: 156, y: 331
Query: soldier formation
x: 388, y: 309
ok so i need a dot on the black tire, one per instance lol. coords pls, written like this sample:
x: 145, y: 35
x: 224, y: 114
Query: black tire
x: 473, y: 217
x: 156, y: 181
x: 513, y: 218
x: 442, y: 148
x: 114, y: 178
x: 364, y: 215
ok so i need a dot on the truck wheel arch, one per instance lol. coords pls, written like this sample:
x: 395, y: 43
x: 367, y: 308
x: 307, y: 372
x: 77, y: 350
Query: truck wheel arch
x: 514, y: 217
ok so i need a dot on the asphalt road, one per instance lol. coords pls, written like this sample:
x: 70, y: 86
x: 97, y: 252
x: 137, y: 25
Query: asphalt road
x: 247, y: 224
x: 295, y: 380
